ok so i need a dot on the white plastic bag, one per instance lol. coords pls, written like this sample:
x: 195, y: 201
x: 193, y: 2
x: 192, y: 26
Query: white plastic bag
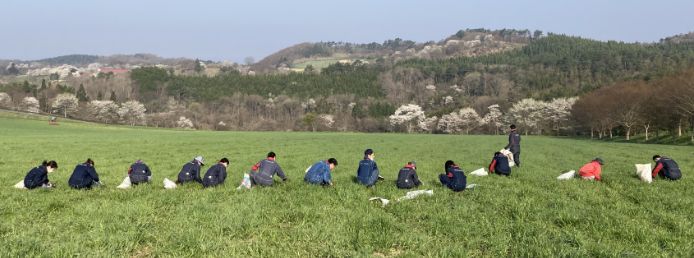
x: 245, y: 182
x: 383, y: 201
x: 479, y: 172
x: 508, y: 155
x: 125, y: 184
x: 568, y: 175
x: 413, y: 194
x: 644, y: 172
x: 20, y: 185
x: 168, y: 184
x: 470, y: 186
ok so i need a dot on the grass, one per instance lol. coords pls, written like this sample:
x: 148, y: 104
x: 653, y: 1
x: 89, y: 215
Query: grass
x: 527, y: 214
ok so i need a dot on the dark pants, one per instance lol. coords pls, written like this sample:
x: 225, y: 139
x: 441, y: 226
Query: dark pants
x: 516, y: 157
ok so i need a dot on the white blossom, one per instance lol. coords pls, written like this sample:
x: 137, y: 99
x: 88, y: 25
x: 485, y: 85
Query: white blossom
x: 493, y: 118
x: 184, y: 123
x: 132, y: 112
x: 407, y: 115
x: 5, y: 100
x: 30, y: 104
x: 65, y: 103
x: 103, y: 110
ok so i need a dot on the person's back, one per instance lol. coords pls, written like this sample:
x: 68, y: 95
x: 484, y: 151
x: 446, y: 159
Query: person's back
x: 500, y: 165
x: 84, y: 176
x: 319, y: 173
x: 667, y: 168
x: 265, y: 170
x: 191, y: 171
x: 36, y: 177
x: 592, y: 170
x: 407, y: 177
x: 457, y: 181
x: 216, y: 174
x: 139, y: 173
x: 367, y: 171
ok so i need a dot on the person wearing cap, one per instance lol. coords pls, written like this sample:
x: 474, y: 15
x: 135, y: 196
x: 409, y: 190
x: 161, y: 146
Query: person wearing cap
x: 319, y: 173
x: 407, y: 176
x: 454, y: 178
x: 139, y: 172
x: 513, y: 145
x: 216, y: 174
x: 262, y: 173
x: 367, y: 173
x: 666, y: 167
x: 499, y: 165
x: 84, y: 176
x: 191, y: 171
x: 592, y: 170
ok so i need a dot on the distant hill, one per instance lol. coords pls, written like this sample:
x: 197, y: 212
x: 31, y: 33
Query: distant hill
x: 471, y: 42
x: 681, y: 38
x: 80, y: 60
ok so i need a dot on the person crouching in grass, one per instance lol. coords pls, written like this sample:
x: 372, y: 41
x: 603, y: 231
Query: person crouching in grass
x: 139, y: 173
x: 592, y: 170
x: 407, y: 176
x: 499, y: 165
x: 666, y: 167
x: 454, y: 178
x: 262, y: 173
x: 319, y: 173
x: 38, y: 176
x: 216, y: 174
x: 84, y: 176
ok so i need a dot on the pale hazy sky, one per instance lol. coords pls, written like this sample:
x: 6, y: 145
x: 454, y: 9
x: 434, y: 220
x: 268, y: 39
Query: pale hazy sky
x: 233, y: 30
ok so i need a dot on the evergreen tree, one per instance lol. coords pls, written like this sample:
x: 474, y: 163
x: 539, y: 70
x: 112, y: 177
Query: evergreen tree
x: 82, y: 94
x: 113, y: 97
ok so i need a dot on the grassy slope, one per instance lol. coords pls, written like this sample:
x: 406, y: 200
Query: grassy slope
x: 529, y: 213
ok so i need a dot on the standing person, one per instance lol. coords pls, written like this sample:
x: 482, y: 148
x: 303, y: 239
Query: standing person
x: 367, y: 173
x: 666, y: 167
x: 262, y: 172
x: 592, y: 170
x: 216, y: 174
x: 84, y: 176
x: 407, y: 176
x: 38, y: 176
x: 454, y: 178
x: 191, y: 171
x: 500, y: 164
x: 319, y: 173
x: 513, y: 145
x: 139, y: 173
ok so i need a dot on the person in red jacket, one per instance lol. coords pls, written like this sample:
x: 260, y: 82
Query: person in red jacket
x: 592, y: 170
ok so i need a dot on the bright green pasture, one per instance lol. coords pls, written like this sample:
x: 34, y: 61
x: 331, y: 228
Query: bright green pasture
x: 528, y: 214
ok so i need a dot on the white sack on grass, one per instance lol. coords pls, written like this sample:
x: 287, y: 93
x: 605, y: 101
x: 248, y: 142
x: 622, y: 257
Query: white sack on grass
x: 126, y: 183
x: 567, y: 175
x: 644, y: 172
x: 470, y: 186
x: 307, y: 169
x: 413, y: 194
x: 20, y: 185
x: 479, y: 172
x: 168, y: 184
x: 508, y: 155
x: 245, y: 182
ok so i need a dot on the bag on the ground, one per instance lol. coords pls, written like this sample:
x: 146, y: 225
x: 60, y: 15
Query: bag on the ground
x: 479, y: 172
x: 644, y: 172
x: 20, y: 185
x: 508, y: 155
x: 168, y: 184
x: 245, y: 182
x: 125, y: 184
x: 568, y: 175
x: 470, y: 186
x: 413, y: 194
x: 383, y: 201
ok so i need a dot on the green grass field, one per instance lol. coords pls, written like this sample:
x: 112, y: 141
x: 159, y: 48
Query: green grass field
x: 529, y: 214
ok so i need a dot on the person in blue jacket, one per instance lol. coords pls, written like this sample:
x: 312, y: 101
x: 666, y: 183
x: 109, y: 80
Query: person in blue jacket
x: 500, y: 165
x: 367, y: 173
x: 191, y: 171
x: 319, y: 173
x: 454, y: 178
x: 84, y: 176
x: 38, y: 176
x: 139, y: 173
x: 216, y: 174
x: 263, y: 172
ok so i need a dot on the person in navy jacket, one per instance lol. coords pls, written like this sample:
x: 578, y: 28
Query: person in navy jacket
x: 84, y: 176
x: 500, y: 165
x: 139, y: 173
x: 666, y: 168
x: 367, y: 173
x: 319, y: 173
x: 216, y: 174
x: 454, y: 178
x: 191, y: 171
x: 38, y: 176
